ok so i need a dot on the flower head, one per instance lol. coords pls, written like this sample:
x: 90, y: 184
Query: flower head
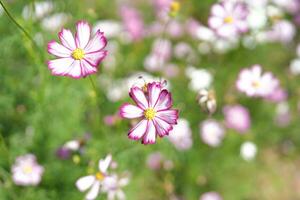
x: 212, y: 132
x: 229, y: 18
x: 254, y: 83
x: 211, y: 196
x: 248, y: 151
x: 237, y: 117
x: 77, y: 57
x: 26, y: 171
x: 95, y: 182
x: 154, y: 109
x: 113, y: 186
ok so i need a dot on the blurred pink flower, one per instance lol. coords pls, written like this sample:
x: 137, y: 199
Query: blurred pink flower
x: 133, y: 22
x: 282, y: 31
x: 77, y: 57
x: 237, y: 117
x: 229, y: 18
x: 211, y: 196
x: 278, y: 95
x: 254, y: 83
x: 26, y: 171
x: 212, y: 132
x: 154, y: 161
x: 181, y: 135
x: 110, y: 120
x: 96, y: 182
x: 162, y: 7
x: 154, y: 105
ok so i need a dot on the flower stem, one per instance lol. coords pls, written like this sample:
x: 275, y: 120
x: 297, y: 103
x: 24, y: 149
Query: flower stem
x: 18, y: 25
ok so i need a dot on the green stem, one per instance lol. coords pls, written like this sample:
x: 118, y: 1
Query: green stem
x: 18, y: 25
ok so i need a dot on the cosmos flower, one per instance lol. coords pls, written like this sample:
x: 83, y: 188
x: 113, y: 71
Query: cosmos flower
x: 228, y: 18
x: 212, y: 132
x: 38, y: 10
x: 113, y: 186
x: 181, y: 135
x: 211, y: 196
x: 77, y: 57
x: 55, y: 22
x: 154, y: 108
x: 254, y: 83
x: 26, y: 171
x: 200, y: 78
x: 237, y: 117
x: 154, y: 161
x: 248, y: 151
x: 95, y: 182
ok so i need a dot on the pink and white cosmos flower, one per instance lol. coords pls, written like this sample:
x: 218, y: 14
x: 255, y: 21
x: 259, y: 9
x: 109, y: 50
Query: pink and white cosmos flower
x: 77, y: 57
x: 254, y: 83
x: 154, y: 109
x: 229, y: 18
x: 237, y: 117
x: 26, y: 171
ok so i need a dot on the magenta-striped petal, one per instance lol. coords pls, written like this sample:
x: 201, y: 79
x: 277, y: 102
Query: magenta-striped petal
x: 58, y: 50
x: 87, y: 68
x: 130, y: 111
x: 150, y: 135
x: 97, y: 43
x: 170, y: 116
x: 83, y: 34
x: 65, y: 67
x: 162, y: 127
x: 138, y: 130
x: 67, y: 39
x: 154, y: 91
x: 95, y: 58
x: 164, y: 101
x: 139, y: 97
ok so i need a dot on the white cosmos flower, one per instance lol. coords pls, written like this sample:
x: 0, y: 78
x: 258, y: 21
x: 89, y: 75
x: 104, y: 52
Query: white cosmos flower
x: 95, y: 183
x: 55, y: 21
x: 200, y: 78
x: 212, y: 132
x: 41, y: 9
x: 181, y: 135
x: 248, y: 151
x: 111, y: 28
x: 295, y: 66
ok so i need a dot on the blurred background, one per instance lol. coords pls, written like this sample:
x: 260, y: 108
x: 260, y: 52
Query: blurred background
x: 41, y: 112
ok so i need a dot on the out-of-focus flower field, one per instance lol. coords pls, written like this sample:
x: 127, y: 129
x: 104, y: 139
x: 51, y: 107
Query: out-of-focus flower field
x: 224, y: 76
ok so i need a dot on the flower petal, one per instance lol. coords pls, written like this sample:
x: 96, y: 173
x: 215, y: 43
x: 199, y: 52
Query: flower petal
x: 60, y: 66
x: 150, y: 135
x: 95, y: 58
x: 104, y: 164
x: 162, y: 127
x: 58, y: 50
x: 138, y: 130
x: 87, y: 68
x: 83, y: 34
x: 154, y: 91
x: 164, y: 101
x: 67, y: 39
x: 94, y: 191
x: 139, y: 97
x: 170, y: 116
x: 97, y: 43
x: 218, y: 10
x: 130, y: 111
x: 85, y: 182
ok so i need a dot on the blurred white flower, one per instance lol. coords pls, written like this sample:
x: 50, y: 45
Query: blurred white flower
x: 257, y: 18
x: 181, y: 135
x: 283, y: 115
x: 248, y: 151
x: 40, y: 10
x: 295, y: 66
x: 210, y: 196
x: 282, y: 31
x: 55, y: 22
x: 96, y: 183
x: 26, y: 171
x: 200, y: 78
x: 113, y: 186
x: 212, y: 132
x: 111, y: 28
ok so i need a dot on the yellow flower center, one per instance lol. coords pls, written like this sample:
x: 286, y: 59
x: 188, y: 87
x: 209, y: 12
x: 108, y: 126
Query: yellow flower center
x: 78, y: 54
x: 175, y: 6
x: 27, y: 169
x: 100, y: 176
x: 149, y: 113
x: 256, y: 84
x: 228, y: 19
